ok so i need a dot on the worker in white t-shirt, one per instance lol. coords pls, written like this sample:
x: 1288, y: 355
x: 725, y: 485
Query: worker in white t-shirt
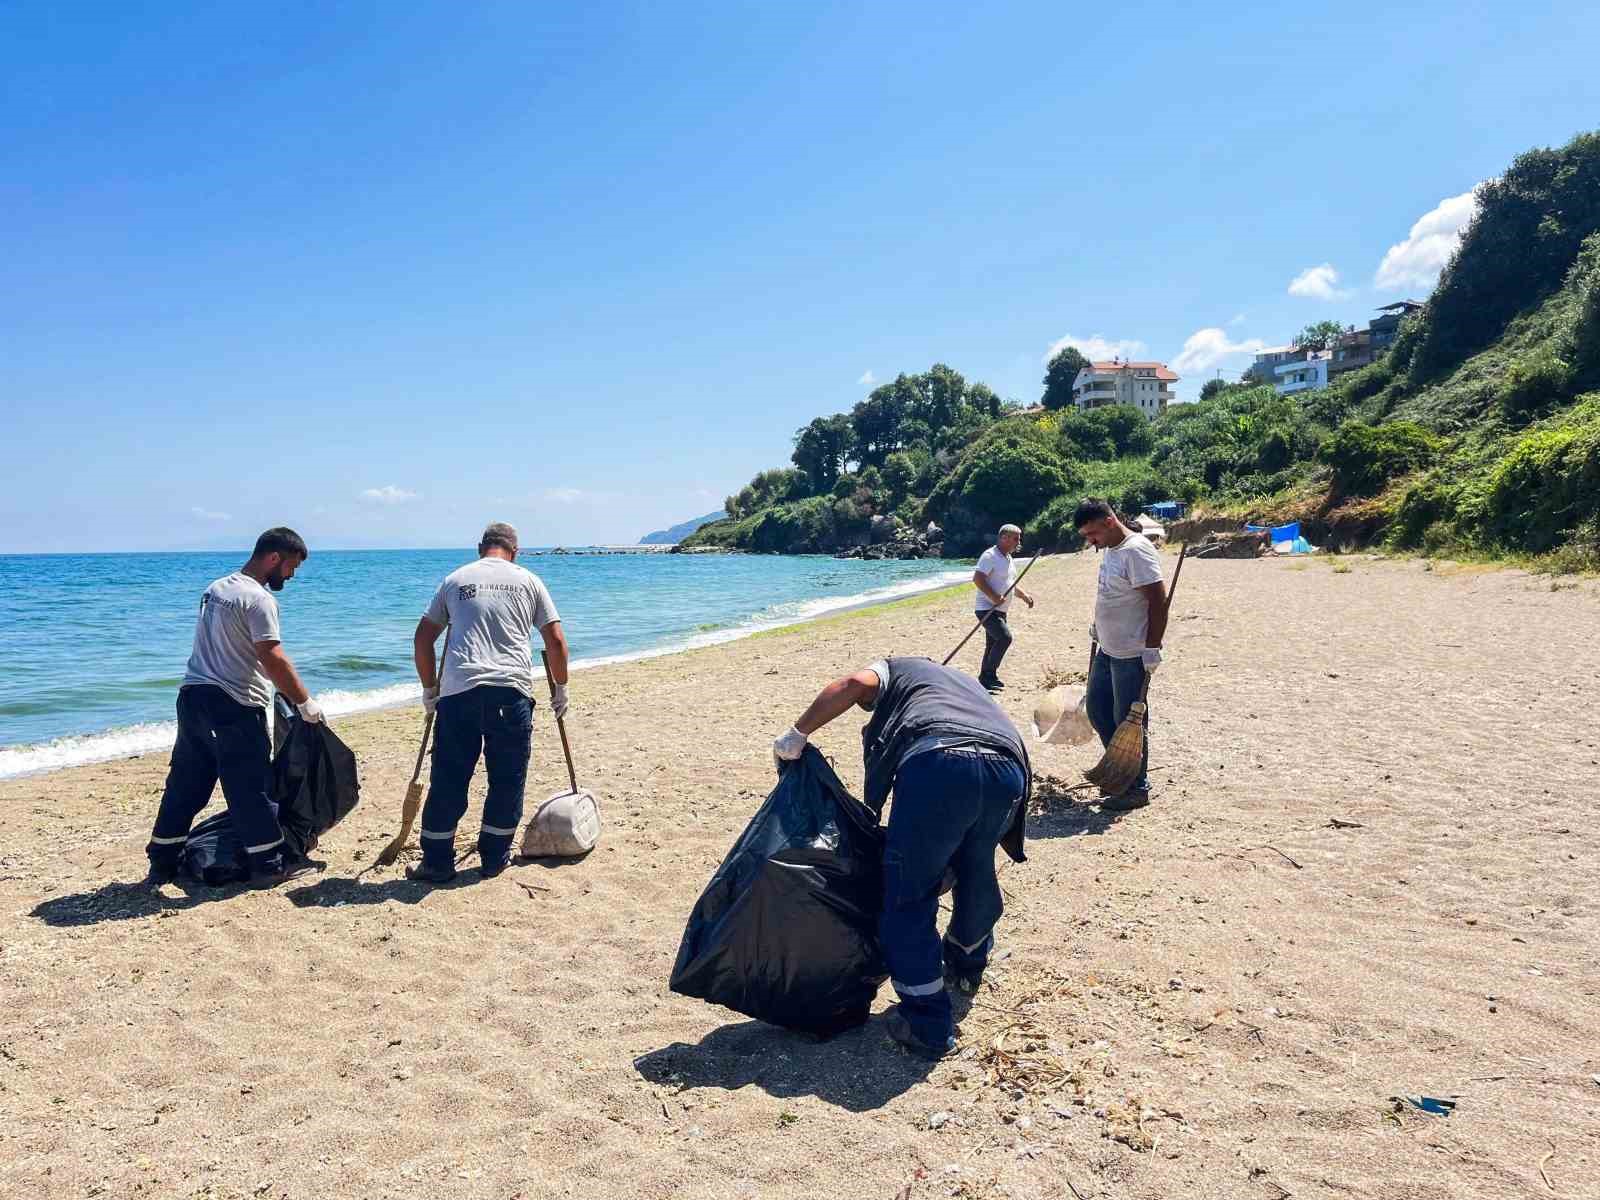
x: 995, y: 573
x: 1130, y: 619
x: 238, y: 658
x: 481, y: 697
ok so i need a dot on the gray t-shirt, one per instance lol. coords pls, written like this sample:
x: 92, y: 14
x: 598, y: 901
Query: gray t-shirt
x: 236, y: 612
x: 999, y: 572
x: 1121, y: 613
x: 492, y: 607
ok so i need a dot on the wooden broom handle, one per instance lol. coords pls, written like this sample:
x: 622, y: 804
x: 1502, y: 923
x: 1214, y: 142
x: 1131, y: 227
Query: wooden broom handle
x: 561, y: 725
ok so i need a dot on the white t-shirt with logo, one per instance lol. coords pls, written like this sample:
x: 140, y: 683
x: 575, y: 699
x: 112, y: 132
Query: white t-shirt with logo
x: 493, y: 608
x: 236, y: 612
x: 999, y: 571
x: 1121, y: 613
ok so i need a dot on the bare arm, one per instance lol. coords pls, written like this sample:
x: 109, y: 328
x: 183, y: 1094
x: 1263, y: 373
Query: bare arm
x: 422, y: 652
x: 1155, y: 595
x: 981, y: 581
x: 281, y: 671
x: 837, y: 699
x: 555, y: 645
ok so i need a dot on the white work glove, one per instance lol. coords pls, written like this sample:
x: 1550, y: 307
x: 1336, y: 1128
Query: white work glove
x: 1152, y: 659
x: 558, y: 699
x: 430, y: 699
x: 310, y: 712
x: 790, y: 746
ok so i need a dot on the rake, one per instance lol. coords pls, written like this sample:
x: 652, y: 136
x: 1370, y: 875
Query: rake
x: 413, y: 801
x: 1118, y: 767
x: 989, y: 611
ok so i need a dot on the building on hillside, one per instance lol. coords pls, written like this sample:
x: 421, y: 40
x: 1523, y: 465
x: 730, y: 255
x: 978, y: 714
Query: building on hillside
x: 1384, y: 328
x: 1146, y: 386
x: 1351, y: 352
x: 1305, y: 375
x: 1269, y: 360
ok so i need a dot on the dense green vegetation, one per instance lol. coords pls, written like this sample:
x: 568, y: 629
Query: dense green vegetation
x: 1478, y: 431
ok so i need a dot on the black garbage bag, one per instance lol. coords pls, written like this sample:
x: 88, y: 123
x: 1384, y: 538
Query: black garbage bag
x: 786, y: 931
x: 314, y: 787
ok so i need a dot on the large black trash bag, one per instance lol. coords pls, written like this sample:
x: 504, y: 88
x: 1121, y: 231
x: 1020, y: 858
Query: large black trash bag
x: 314, y: 787
x: 786, y: 931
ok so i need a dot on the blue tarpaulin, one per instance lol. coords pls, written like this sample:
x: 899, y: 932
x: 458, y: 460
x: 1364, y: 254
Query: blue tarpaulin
x: 1166, y: 509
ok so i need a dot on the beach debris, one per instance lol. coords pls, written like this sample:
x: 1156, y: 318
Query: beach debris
x: 1438, y: 1106
x: 1542, y: 1175
x: 938, y: 1119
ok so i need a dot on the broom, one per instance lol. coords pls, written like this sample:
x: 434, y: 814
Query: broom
x: 1119, y: 765
x: 988, y: 611
x: 413, y: 801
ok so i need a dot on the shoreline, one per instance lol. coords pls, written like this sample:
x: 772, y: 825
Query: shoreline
x: 1314, y: 914
x: 129, y: 742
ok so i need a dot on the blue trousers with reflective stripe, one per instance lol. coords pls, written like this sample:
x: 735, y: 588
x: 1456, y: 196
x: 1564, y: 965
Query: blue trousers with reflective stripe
x: 1114, y: 686
x: 951, y: 808
x: 219, y: 739
x: 496, y: 723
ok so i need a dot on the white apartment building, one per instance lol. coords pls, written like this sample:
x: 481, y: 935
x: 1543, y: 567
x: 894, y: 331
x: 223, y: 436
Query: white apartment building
x: 1146, y: 386
x: 1307, y: 375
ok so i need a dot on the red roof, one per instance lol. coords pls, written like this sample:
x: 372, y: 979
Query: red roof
x: 1159, y: 368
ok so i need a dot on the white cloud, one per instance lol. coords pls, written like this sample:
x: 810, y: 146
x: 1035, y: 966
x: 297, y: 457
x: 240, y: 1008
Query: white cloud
x: 388, y: 494
x: 867, y: 379
x: 1317, y: 283
x: 206, y: 514
x: 1238, y: 319
x: 1096, y: 348
x: 1417, y: 261
x: 1207, y: 348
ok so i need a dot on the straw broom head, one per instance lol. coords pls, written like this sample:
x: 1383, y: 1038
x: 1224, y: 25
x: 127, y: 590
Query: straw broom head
x: 408, y: 814
x: 1118, y: 767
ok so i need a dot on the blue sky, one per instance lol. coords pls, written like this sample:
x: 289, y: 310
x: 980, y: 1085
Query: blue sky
x: 384, y: 271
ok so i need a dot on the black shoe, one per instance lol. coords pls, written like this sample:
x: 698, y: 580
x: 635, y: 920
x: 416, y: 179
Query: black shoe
x: 283, y: 873
x: 900, y: 1030
x: 422, y: 873
x: 990, y: 685
x: 1127, y: 801
x: 965, y: 982
x: 490, y: 870
x: 160, y: 873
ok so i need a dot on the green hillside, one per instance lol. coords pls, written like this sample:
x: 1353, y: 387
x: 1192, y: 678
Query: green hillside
x: 1478, y: 431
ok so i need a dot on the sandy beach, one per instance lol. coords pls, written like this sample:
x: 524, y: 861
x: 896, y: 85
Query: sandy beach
x: 1369, y: 872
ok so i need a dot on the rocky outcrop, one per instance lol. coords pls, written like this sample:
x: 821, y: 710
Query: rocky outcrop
x: 890, y: 538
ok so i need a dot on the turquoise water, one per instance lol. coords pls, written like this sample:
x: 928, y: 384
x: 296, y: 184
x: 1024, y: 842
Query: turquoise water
x: 95, y: 644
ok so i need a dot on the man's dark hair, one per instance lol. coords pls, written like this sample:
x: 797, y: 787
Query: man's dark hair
x: 281, y: 540
x: 1091, y: 508
x: 498, y: 533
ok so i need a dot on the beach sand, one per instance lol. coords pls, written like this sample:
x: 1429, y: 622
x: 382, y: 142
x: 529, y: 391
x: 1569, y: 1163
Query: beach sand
x: 1369, y: 872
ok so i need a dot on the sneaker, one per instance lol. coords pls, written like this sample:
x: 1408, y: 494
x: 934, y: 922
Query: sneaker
x: 283, y: 873
x: 991, y: 685
x: 160, y: 873
x: 423, y: 873
x: 490, y: 870
x: 900, y: 1030
x: 1127, y: 801
x: 965, y: 982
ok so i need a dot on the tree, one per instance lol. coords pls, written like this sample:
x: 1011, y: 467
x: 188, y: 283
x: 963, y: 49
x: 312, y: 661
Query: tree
x: 1211, y: 387
x: 876, y: 422
x: 900, y: 471
x: 1320, y: 335
x: 1063, y: 368
x: 821, y: 450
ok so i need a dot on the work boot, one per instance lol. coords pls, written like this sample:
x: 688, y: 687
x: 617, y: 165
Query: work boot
x: 489, y: 869
x: 423, y: 873
x: 1126, y: 801
x: 965, y: 982
x: 900, y: 1030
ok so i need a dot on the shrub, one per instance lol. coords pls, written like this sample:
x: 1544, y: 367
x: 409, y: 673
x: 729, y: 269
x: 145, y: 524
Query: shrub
x: 1536, y: 382
x: 1365, y: 457
x: 1548, y: 484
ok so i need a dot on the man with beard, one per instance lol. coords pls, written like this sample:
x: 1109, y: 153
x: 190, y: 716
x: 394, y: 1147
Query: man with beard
x: 222, y: 714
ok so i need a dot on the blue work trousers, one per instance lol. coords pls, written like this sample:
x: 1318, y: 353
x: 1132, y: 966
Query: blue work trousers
x: 497, y: 724
x: 219, y: 739
x: 1114, y: 686
x: 951, y: 808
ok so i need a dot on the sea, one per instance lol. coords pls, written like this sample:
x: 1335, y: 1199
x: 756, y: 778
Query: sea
x: 95, y: 644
